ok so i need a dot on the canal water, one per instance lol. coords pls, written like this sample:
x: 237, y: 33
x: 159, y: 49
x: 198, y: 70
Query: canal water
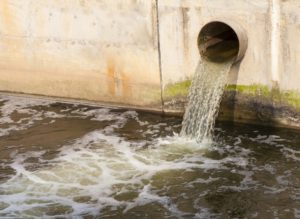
x: 62, y: 160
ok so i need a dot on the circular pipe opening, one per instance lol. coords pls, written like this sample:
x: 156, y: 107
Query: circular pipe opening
x: 221, y: 42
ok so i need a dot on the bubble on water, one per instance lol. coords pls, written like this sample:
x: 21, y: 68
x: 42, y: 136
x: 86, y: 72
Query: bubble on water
x: 31, y: 110
x: 270, y: 140
x: 207, y: 213
x: 269, y: 168
x: 297, y: 213
x: 290, y: 153
x: 96, y: 166
x: 105, y: 171
x: 19, y: 105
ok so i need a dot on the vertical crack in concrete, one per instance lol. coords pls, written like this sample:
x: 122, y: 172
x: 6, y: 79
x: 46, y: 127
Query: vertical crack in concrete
x: 159, y: 57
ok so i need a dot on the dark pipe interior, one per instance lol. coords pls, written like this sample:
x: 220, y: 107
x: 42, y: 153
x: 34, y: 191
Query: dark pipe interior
x: 218, y: 42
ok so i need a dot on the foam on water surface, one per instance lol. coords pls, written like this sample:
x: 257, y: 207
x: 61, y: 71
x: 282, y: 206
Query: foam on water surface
x: 126, y: 164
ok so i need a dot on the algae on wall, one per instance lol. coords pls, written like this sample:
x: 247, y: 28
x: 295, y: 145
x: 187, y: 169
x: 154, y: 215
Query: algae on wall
x: 290, y: 97
x: 254, y: 103
x: 287, y: 97
x: 179, y: 89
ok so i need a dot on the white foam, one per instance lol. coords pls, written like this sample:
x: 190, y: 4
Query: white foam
x: 20, y: 105
x: 26, y: 106
x: 93, y: 166
x: 291, y: 153
x: 270, y: 140
x: 101, y: 165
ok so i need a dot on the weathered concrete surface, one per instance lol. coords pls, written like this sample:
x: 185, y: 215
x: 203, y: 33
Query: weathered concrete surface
x: 191, y: 16
x: 257, y: 104
x: 84, y: 49
x: 143, y: 53
x: 272, y: 27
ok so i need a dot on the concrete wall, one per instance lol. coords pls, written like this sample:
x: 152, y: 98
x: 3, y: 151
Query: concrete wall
x: 85, y: 49
x: 265, y: 86
x: 189, y: 16
x: 143, y: 53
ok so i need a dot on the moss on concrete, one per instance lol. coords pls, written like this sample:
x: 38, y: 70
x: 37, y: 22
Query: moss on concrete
x: 182, y: 89
x: 292, y: 98
x: 179, y: 89
x: 255, y: 89
x: 289, y: 97
x: 256, y: 104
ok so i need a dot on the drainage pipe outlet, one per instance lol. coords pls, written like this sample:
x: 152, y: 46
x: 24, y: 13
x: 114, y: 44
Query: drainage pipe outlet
x: 222, y: 42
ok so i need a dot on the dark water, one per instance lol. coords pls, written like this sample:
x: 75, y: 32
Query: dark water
x: 60, y: 160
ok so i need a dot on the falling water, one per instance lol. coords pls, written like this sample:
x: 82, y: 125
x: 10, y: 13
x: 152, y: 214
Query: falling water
x: 204, y: 99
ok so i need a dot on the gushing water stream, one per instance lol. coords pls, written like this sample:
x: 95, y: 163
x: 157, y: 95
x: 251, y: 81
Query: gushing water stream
x: 204, y: 100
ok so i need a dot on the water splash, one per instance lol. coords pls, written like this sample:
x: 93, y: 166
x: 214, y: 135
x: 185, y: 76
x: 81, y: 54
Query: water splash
x: 204, y: 100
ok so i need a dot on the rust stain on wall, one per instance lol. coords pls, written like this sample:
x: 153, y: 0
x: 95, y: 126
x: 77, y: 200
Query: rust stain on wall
x: 111, y: 77
x: 118, y: 81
